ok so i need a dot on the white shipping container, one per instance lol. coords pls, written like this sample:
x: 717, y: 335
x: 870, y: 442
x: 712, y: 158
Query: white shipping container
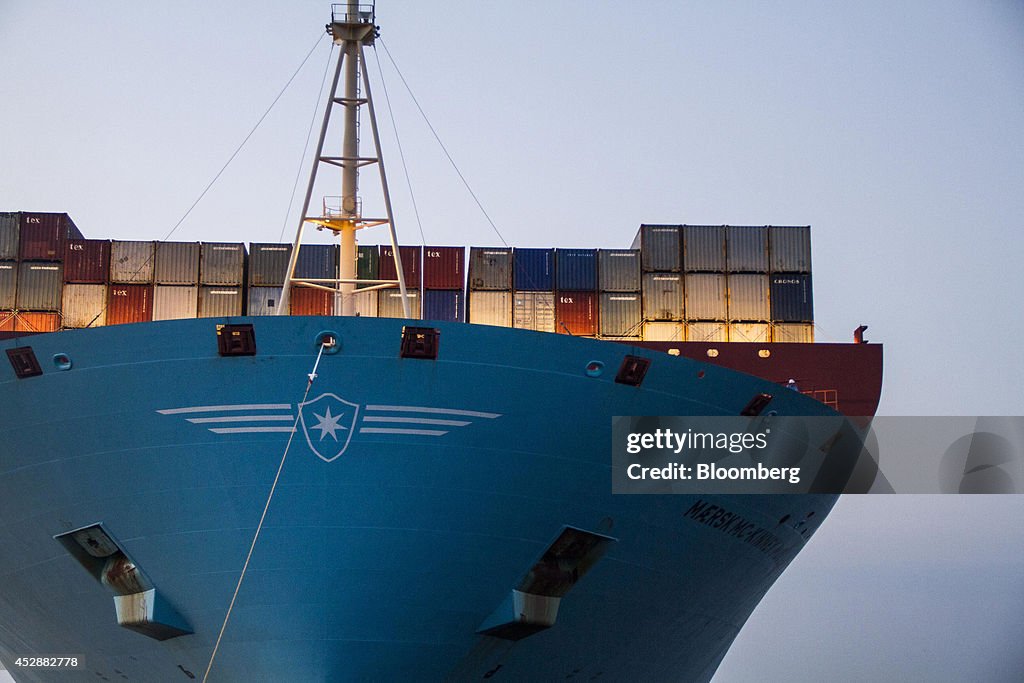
x: 490, y: 308
x: 800, y: 333
x: 705, y: 296
x: 366, y: 304
x: 132, y: 261
x: 707, y: 332
x: 750, y: 332
x: 175, y: 302
x: 84, y: 305
x: 657, y: 331
x: 389, y: 304
x: 748, y: 297
x: 534, y: 311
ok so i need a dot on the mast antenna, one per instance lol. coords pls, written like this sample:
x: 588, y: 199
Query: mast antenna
x: 352, y: 27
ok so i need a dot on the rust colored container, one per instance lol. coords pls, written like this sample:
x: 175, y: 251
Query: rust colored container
x: 86, y: 262
x: 309, y: 301
x: 443, y: 267
x: 410, y: 264
x: 129, y: 304
x: 29, y: 322
x: 44, y: 235
x: 576, y: 313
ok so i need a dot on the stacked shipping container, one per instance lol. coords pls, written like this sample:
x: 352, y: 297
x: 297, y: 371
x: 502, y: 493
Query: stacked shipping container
x: 702, y: 283
x: 490, y: 287
x: 32, y: 269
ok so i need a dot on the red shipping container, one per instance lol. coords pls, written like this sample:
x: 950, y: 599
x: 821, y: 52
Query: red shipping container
x: 576, y: 311
x: 309, y: 301
x: 44, y: 235
x: 36, y: 322
x: 86, y: 261
x: 129, y: 304
x: 410, y: 265
x: 443, y: 267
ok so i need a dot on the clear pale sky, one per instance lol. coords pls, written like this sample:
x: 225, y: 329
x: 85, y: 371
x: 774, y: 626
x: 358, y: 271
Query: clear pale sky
x: 895, y: 129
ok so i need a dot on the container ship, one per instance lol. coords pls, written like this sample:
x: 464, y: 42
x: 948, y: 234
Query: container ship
x: 314, y: 462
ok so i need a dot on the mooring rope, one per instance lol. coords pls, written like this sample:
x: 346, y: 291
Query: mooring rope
x: 259, y: 527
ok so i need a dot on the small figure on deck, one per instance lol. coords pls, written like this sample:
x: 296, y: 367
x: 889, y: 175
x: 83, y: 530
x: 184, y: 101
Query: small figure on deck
x: 791, y: 384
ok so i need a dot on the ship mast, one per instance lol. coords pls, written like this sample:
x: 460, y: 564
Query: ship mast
x: 352, y: 27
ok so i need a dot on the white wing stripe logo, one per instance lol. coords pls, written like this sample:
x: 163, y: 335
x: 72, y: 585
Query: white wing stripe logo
x: 444, y: 411
x: 250, y: 430
x: 396, y: 430
x: 242, y: 418
x: 418, y: 420
x: 217, y: 409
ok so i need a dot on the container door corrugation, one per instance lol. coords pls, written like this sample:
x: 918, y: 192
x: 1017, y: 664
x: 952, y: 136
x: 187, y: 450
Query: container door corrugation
x: 576, y: 269
x: 534, y: 311
x: 129, y: 304
x: 490, y: 268
x: 23, y: 321
x: 664, y: 331
x: 43, y: 236
x: 534, y: 269
x: 748, y: 297
x: 132, y: 262
x: 747, y: 249
x: 442, y: 304
x: 705, y: 296
x: 310, y: 301
x: 663, y: 296
x: 661, y: 248
x: 621, y: 315
x: 750, y: 332
x: 366, y: 304
x: 222, y: 263
x: 268, y: 264
x: 707, y: 332
x: 790, y: 249
x: 10, y: 229
x: 368, y: 262
x: 39, y: 286
x: 389, y: 302
x: 175, y: 302
x: 8, y: 284
x: 319, y: 261
x: 491, y: 308
x: 704, y: 247
x: 443, y: 267
x: 410, y: 265
x: 619, y: 270
x: 576, y: 313
x: 791, y: 298
x: 798, y: 333
x: 177, y: 263
x: 217, y: 301
x: 87, y: 261
x: 264, y: 300
x: 84, y: 306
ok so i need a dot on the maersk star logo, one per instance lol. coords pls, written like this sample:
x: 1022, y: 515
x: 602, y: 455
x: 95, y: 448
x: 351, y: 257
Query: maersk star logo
x: 328, y: 422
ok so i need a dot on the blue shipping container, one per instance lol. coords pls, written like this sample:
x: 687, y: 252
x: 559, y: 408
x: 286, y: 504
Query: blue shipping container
x: 534, y: 269
x: 791, y: 299
x: 317, y: 261
x: 443, y: 304
x: 577, y: 269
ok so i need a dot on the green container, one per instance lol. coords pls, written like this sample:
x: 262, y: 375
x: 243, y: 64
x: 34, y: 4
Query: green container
x: 368, y: 263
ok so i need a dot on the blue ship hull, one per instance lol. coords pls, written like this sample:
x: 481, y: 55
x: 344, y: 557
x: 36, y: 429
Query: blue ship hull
x: 415, y: 496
